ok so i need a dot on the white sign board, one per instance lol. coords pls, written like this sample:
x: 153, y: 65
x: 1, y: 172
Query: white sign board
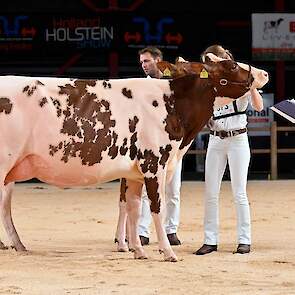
x: 263, y: 118
x: 273, y: 36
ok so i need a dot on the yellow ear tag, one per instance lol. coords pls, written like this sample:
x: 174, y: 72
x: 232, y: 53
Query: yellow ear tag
x: 204, y: 74
x: 167, y: 73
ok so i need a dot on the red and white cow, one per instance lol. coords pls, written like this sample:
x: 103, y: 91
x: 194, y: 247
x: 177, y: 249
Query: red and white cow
x: 72, y: 132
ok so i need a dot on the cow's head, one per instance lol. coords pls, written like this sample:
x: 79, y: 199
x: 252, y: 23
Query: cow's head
x: 227, y: 77
x: 260, y: 77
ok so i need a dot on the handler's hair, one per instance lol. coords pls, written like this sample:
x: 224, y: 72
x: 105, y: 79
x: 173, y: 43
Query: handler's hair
x: 154, y: 51
x: 218, y: 50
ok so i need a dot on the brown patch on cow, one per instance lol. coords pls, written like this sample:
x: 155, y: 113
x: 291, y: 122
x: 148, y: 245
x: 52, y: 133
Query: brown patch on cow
x: 133, y: 147
x: 57, y: 105
x: 194, y: 98
x: 155, y: 103
x: 127, y: 92
x: 77, y: 91
x: 5, y: 105
x: 30, y: 89
x: 152, y: 186
x: 165, y: 152
x: 150, y: 162
x: 113, y: 150
x: 39, y: 83
x: 106, y: 84
x: 173, y: 123
x: 132, y: 124
x: 43, y: 101
x: 87, y: 123
x: 124, y: 148
x: 123, y: 190
x: 71, y: 126
x: 174, y: 127
x: 53, y: 149
x: 139, y: 155
x: 66, y: 112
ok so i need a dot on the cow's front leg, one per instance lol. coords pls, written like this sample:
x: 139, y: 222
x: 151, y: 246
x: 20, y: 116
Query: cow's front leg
x: 133, y: 198
x: 155, y: 187
x: 121, y: 234
x: 5, y: 208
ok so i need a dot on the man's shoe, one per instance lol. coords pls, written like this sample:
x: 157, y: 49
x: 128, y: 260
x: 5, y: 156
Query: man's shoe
x: 144, y: 240
x: 243, y: 249
x: 173, y: 239
x: 206, y: 249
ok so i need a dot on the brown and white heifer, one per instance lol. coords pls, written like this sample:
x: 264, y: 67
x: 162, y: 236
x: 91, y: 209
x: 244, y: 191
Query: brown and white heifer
x: 72, y: 132
x: 202, y: 109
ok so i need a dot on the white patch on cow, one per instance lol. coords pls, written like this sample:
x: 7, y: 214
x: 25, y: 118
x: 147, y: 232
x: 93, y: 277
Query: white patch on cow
x: 260, y: 76
x: 181, y: 59
x: 98, y: 125
x: 213, y: 57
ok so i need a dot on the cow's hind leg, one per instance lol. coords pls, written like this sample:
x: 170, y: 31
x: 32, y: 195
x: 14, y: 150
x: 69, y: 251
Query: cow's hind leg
x: 133, y: 198
x: 2, y: 246
x: 5, y: 208
x: 121, y: 233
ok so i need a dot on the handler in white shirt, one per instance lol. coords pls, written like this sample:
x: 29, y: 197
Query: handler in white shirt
x: 228, y: 142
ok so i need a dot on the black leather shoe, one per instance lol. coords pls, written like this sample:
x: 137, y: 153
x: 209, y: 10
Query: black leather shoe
x: 173, y: 239
x: 144, y: 240
x: 243, y: 249
x: 206, y: 249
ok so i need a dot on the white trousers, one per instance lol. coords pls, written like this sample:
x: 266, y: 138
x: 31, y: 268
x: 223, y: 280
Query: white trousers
x: 236, y: 151
x: 172, y: 199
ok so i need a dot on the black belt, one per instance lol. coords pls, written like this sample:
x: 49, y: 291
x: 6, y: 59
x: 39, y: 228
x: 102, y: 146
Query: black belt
x: 223, y: 134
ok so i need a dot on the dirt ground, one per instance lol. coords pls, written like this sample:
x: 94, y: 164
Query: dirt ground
x: 70, y: 232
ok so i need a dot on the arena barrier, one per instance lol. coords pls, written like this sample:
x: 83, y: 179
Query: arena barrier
x: 273, y: 150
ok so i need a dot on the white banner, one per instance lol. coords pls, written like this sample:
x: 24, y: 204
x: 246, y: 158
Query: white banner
x: 273, y: 36
x: 263, y: 118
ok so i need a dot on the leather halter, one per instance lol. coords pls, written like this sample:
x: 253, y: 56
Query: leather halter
x: 247, y: 83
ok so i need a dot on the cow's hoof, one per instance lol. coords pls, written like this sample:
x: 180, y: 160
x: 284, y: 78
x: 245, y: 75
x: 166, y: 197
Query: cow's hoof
x: 2, y: 246
x: 171, y: 259
x: 140, y: 257
x: 139, y: 254
x: 123, y: 248
x: 19, y: 248
x: 169, y: 255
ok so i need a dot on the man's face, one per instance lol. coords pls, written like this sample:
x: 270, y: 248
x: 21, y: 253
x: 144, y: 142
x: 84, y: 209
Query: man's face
x: 149, y: 64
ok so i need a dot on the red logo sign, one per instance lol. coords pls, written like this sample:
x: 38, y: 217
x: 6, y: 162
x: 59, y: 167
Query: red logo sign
x: 292, y: 26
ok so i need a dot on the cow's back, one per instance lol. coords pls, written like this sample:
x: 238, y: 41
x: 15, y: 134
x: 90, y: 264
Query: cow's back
x: 81, y: 131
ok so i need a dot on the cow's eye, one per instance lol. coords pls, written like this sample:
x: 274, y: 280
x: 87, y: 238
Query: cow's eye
x: 234, y: 66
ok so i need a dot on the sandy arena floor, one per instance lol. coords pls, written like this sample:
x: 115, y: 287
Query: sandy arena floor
x: 69, y: 234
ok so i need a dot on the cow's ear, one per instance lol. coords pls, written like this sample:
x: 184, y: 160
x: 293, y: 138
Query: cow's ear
x: 183, y: 84
x: 168, y: 69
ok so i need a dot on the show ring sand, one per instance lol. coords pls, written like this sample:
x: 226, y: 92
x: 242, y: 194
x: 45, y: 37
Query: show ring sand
x: 69, y: 234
